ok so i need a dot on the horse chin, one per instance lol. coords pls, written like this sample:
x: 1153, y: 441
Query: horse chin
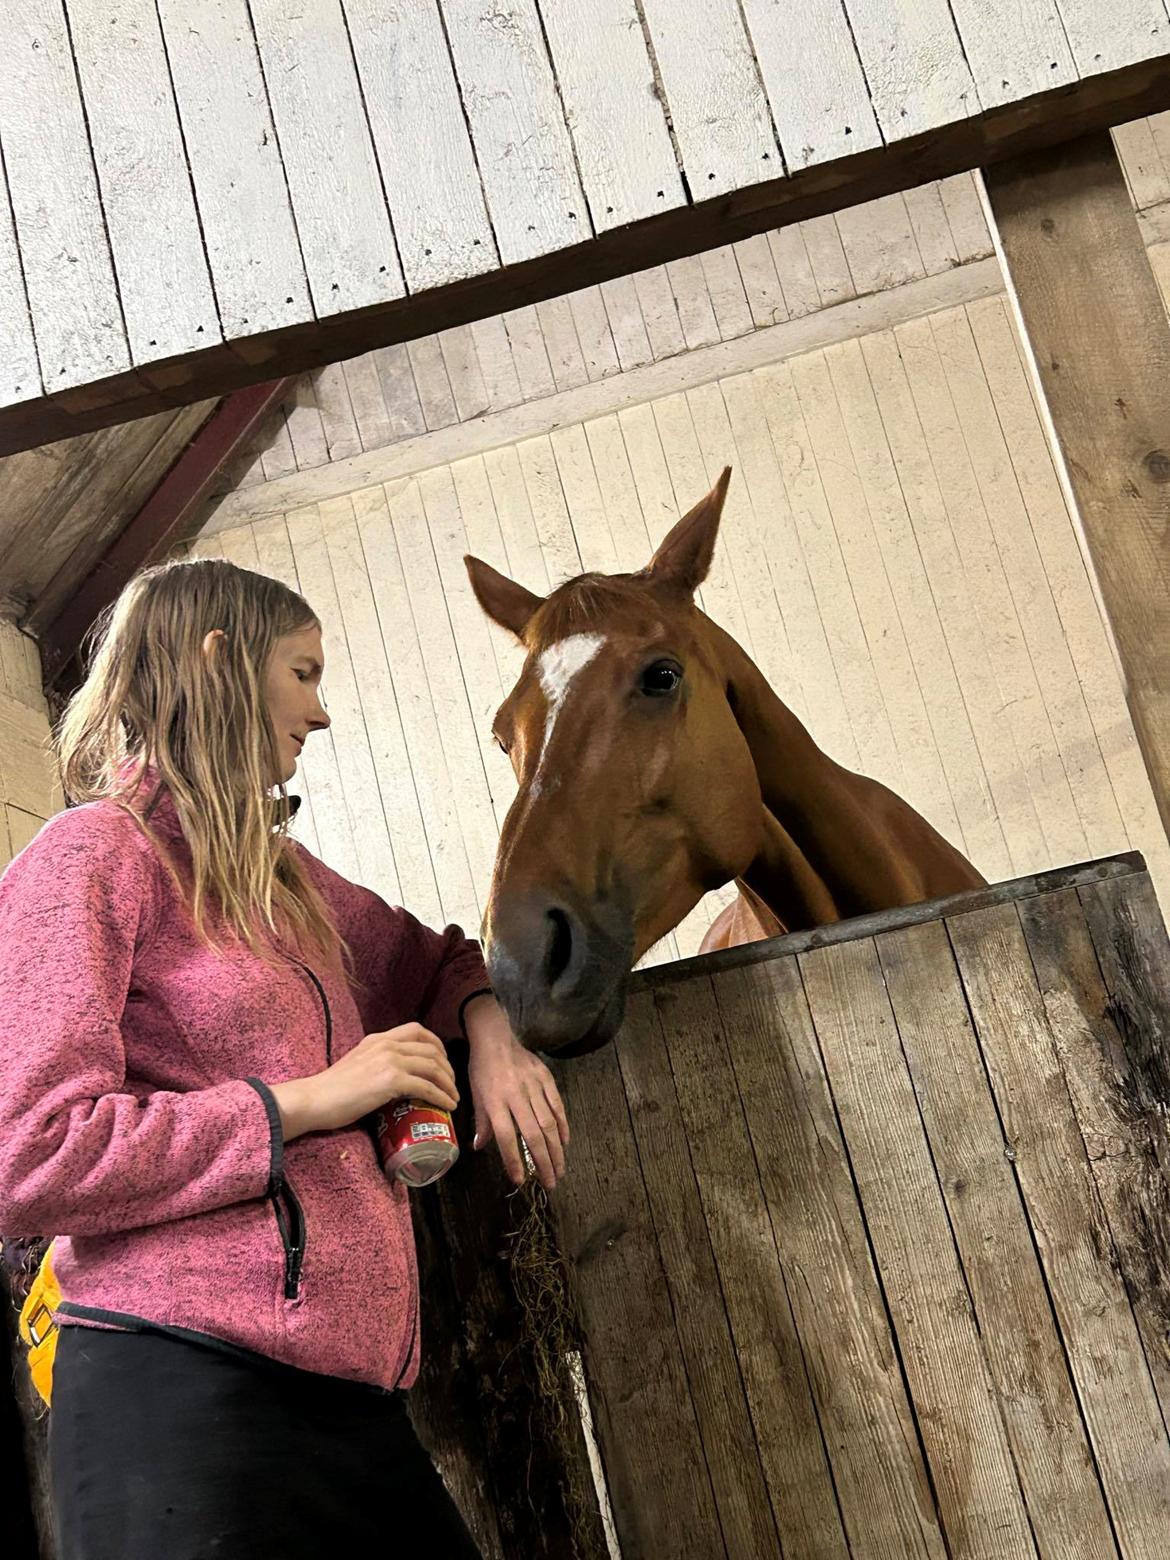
x: 600, y: 1032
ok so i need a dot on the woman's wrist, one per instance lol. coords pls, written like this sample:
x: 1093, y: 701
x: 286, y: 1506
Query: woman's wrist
x: 486, y: 1024
x: 295, y: 1104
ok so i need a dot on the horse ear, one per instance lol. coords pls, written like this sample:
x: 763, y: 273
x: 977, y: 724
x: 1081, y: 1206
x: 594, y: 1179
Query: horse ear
x: 506, y: 603
x: 685, y: 556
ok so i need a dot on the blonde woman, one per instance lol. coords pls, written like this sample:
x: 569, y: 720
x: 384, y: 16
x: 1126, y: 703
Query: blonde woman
x: 197, y: 1017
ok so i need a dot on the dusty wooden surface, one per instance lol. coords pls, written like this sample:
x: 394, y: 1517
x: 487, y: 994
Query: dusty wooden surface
x: 1099, y: 339
x: 333, y: 178
x: 883, y: 1225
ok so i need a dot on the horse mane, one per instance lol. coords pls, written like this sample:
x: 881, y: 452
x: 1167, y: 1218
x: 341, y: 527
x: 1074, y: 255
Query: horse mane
x: 582, y: 601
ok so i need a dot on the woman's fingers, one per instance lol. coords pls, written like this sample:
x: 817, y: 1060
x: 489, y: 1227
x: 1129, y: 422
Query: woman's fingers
x: 552, y: 1098
x: 504, y: 1132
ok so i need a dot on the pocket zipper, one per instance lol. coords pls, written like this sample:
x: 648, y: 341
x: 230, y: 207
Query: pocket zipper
x: 290, y: 1221
x: 290, y: 1216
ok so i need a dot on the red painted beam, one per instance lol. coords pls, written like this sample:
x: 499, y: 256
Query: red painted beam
x: 159, y: 522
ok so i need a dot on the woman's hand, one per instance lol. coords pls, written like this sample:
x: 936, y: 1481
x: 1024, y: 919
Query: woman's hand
x: 407, y: 1063
x: 515, y: 1097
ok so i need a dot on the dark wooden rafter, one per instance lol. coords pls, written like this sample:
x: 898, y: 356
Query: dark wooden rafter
x: 157, y: 525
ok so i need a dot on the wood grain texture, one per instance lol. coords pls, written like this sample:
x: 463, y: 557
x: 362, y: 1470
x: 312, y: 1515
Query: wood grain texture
x: 922, y: 1276
x: 717, y: 103
x: 615, y: 115
x: 440, y: 219
x: 65, y: 256
x: 1048, y: 1439
x: 338, y: 202
x: 1095, y: 1317
x: 914, y: 63
x: 20, y: 374
x: 1061, y: 218
x: 1102, y: 37
x: 816, y: 87
x: 522, y: 144
x: 146, y: 193
x: 1014, y: 50
x: 248, y: 228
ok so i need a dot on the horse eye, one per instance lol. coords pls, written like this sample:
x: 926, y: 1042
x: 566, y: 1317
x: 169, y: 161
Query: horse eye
x: 661, y: 679
x: 500, y: 743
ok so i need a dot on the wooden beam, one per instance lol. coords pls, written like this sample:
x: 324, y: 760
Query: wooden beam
x: 1097, y: 101
x: 1098, y: 335
x: 157, y: 524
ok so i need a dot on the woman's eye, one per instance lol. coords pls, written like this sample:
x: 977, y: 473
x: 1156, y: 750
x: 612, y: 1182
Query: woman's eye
x: 661, y: 679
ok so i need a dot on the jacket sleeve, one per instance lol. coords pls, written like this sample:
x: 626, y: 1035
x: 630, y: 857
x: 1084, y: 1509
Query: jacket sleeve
x: 402, y: 971
x: 80, y: 1153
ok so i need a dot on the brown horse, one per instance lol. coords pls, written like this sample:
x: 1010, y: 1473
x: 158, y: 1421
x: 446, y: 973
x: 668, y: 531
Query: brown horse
x: 655, y: 763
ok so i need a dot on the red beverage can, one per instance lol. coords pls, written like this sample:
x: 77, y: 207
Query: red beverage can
x: 416, y: 1142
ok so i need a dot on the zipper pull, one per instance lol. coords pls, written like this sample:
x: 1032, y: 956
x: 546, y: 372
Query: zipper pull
x: 292, y: 1279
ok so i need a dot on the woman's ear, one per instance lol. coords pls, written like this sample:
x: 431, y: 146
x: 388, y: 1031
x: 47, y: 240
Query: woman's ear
x: 211, y: 640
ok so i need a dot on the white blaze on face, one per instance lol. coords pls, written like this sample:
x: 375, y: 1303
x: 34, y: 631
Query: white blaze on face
x: 557, y: 667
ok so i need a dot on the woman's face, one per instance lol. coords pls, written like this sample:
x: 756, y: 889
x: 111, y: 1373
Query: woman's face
x: 292, y: 688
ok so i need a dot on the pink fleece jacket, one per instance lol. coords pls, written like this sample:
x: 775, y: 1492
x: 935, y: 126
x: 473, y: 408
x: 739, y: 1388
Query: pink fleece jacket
x: 137, y: 1123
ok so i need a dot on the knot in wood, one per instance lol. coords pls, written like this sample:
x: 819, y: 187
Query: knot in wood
x: 1157, y: 463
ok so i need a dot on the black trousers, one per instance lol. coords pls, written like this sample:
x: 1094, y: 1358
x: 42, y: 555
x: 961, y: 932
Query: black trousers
x: 161, y: 1449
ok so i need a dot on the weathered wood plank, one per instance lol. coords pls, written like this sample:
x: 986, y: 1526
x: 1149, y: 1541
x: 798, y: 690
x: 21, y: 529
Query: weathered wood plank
x: 1072, y: 1235
x: 1063, y: 218
x: 637, y: 1382
x: 1120, y: 1120
x: 713, y: 1348
x: 615, y: 115
x: 149, y: 206
x: 65, y: 256
x: 444, y: 687
x: 1133, y: 953
x: 522, y: 144
x: 816, y: 87
x: 910, y: 915
x: 717, y: 104
x: 293, y: 341
x: 1105, y: 37
x: 864, y: 1420
x: 400, y: 648
x: 20, y: 373
x: 974, y: 1477
x: 1013, y: 50
x: 248, y: 227
x: 338, y: 202
x: 954, y: 758
x: 436, y: 200
x: 914, y: 64
x: 1020, y: 1338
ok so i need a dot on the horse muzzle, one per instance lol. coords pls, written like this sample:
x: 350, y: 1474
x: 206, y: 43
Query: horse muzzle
x: 559, y: 973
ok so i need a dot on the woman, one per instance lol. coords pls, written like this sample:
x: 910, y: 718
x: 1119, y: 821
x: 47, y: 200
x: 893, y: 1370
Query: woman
x: 197, y: 1018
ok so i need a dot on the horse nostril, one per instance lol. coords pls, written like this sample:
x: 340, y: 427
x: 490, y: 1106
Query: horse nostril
x: 560, y: 949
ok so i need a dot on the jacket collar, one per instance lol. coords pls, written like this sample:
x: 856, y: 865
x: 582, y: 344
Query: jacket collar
x: 156, y: 806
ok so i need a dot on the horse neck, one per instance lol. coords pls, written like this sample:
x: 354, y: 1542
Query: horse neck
x: 835, y: 844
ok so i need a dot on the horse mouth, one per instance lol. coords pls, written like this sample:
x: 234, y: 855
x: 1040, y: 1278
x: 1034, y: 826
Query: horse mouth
x: 599, y: 1033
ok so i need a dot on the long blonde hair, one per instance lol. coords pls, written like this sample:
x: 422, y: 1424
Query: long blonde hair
x: 154, y: 703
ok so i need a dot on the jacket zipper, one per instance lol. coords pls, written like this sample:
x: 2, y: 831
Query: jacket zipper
x: 290, y: 1221
x: 290, y: 1216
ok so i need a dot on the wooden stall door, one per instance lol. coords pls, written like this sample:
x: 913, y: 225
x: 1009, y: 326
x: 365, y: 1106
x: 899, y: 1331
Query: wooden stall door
x: 868, y: 1228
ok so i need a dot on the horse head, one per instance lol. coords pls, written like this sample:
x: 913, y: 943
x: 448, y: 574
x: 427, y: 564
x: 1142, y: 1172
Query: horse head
x: 637, y: 789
